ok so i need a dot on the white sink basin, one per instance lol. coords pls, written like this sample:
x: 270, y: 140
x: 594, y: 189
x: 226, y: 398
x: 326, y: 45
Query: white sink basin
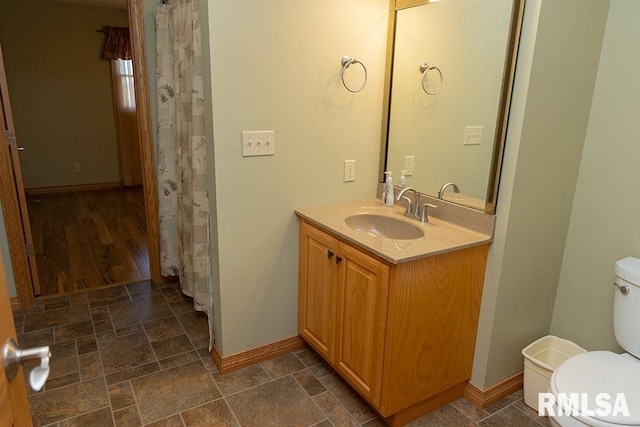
x: 383, y: 226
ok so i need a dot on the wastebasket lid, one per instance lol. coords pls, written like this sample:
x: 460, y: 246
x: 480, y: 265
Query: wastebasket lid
x: 590, y: 375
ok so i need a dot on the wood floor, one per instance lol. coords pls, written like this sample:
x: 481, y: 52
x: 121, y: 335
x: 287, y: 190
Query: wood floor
x: 88, y: 239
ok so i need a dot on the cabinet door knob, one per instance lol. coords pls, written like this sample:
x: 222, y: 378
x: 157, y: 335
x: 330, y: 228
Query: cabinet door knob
x: 338, y: 259
x: 329, y: 254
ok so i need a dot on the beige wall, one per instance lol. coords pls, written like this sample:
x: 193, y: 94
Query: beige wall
x: 534, y: 205
x: 604, y: 222
x: 60, y: 90
x: 276, y: 66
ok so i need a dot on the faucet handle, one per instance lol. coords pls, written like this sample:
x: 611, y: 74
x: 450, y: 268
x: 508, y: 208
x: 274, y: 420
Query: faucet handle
x: 424, y: 217
x: 408, y: 200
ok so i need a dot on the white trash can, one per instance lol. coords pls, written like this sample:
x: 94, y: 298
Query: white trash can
x: 541, y: 358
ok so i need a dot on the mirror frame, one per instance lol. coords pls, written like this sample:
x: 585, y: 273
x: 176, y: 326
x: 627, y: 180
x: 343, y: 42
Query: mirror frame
x: 504, y: 103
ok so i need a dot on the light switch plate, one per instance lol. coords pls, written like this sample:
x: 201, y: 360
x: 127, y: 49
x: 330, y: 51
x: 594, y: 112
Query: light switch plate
x: 473, y: 135
x: 258, y: 143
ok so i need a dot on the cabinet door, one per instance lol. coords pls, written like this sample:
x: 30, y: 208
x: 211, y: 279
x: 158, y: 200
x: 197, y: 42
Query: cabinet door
x: 363, y: 284
x: 317, y: 285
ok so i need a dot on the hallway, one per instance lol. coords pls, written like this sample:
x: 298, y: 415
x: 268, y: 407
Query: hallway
x: 89, y: 239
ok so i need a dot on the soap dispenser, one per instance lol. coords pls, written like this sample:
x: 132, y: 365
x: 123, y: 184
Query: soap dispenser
x: 403, y: 179
x: 388, y: 197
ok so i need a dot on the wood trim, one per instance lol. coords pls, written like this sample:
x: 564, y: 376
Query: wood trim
x: 406, y: 4
x: 386, y: 99
x: 143, y: 107
x: 495, y: 393
x: 19, y: 185
x: 253, y: 356
x: 66, y: 188
x: 505, y: 106
x: 11, y: 209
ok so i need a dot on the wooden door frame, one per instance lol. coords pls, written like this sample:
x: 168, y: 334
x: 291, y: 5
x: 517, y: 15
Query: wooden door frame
x: 14, y: 227
x: 11, y: 211
x: 147, y: 156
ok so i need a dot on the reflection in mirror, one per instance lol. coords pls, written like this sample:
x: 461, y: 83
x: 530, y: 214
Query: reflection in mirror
x: 449, y: 78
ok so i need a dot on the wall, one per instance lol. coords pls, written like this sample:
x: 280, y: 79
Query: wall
x: 6, y: 257
x: 61, y: 91
x: 604, y: 222
x: 276, y: 66
x: 467, y: 40
x: 536, y: 195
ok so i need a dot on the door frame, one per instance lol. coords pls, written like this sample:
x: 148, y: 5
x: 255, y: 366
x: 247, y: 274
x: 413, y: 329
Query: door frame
x: 145, y: 135
x: 13, y: 220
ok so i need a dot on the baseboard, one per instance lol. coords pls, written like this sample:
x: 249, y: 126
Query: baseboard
x: 15, y: 304
x: 66, y: 188
x: 495, y: 393
x: 253, y: 356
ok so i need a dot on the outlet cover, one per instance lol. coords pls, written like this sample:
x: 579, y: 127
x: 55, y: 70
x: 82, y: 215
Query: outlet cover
x: 473, y: 135
x: 408, y: 165
x: 258, y: 143
x: 349, y: 170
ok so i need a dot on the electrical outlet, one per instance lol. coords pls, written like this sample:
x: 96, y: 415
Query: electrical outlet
x: 76, y: 167
x: 408, y: 165
x: 349, y: 170
x: 258, y: 143
x: 473, y: 135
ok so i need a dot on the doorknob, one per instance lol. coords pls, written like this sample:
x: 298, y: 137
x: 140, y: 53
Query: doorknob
x: 13, y: 356
x: 20, y: 148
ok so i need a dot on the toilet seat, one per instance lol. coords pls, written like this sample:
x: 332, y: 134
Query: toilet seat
x: 600, y: 372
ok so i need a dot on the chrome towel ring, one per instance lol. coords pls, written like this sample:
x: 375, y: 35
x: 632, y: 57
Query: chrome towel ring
x: 424, y: 69
x: 346, y: 62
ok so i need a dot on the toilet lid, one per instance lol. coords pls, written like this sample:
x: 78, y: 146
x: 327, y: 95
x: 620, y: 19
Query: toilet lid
x: 596, y: 372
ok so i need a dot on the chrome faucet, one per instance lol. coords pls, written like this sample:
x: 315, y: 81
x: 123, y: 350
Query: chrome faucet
x: 412, y: 206
x: 456, y: 189
x: 413, y: 210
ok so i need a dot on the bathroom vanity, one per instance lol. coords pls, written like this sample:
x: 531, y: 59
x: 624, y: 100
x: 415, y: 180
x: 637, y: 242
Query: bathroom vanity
x: 396, y: 318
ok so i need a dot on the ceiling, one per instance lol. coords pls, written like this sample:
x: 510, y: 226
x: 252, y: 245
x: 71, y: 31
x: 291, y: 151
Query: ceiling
x: 116, y: 4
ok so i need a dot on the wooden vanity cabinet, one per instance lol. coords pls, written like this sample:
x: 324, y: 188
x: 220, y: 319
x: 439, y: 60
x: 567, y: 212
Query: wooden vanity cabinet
x: 342, y: 308
x: 403, y: 335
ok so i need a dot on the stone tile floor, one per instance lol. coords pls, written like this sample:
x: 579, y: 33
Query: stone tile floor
x: 138, y: 355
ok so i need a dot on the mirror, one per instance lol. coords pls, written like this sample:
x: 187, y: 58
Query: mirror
x: 450, y: 67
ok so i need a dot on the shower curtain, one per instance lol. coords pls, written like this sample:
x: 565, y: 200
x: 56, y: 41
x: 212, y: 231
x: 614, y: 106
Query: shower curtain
x: 183, y: 198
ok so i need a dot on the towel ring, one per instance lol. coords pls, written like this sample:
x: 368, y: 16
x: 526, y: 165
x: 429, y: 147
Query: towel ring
x: 346, y: 61
x: 424, y: 69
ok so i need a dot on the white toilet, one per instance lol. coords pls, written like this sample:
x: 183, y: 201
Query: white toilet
x: 583, y: 379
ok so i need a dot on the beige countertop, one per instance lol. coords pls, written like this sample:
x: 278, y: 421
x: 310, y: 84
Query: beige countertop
x: 439, y: 236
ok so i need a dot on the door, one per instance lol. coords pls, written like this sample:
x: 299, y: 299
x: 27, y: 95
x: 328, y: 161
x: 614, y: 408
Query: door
x: 362, y: 296
x: 14, y: 406
x: 318, y: 275
x: 14, y: 202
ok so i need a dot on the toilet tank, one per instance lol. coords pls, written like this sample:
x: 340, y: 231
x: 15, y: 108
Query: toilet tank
x: 626, y: 308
